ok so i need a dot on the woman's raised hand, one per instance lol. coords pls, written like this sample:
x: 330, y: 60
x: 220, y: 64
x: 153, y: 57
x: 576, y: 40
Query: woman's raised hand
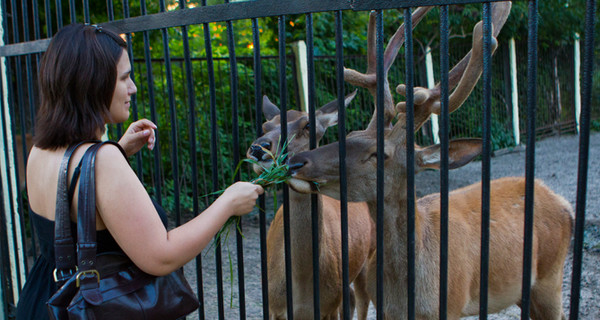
x: 137, y: 135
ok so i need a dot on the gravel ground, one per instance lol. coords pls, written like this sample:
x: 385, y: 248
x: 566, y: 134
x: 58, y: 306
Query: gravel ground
x: 556, y: 164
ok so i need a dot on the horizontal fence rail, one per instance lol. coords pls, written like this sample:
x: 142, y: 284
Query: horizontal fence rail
x: 202, y: 70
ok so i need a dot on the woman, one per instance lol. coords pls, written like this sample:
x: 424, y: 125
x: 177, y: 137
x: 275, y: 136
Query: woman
x: 84, y: 84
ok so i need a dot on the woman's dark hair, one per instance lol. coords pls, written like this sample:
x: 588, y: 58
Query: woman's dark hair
x: 77, y: 80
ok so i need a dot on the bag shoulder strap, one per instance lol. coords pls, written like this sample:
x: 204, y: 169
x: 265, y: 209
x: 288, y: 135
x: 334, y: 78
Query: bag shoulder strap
x: 64, y: 248
x: 86, y: 209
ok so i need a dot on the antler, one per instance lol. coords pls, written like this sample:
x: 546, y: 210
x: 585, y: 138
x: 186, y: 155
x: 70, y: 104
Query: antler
x: 464, y: 75
x: 368, y: 80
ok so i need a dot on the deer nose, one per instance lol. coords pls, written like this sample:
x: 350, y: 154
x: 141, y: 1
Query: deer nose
x: 296, y: 163
x: 258, y: 150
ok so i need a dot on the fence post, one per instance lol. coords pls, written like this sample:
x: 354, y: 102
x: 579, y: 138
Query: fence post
x: 299, y: 49
x: 514, y: 90
x: 435, y: 129
x: 577, y: 84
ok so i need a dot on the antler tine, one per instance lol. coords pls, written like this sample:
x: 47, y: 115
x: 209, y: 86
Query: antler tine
x: 368, y: 80
x: 463, y: 76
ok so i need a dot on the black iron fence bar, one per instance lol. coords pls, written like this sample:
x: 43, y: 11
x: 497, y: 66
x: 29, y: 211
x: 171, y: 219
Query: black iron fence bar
x: 286, y: 195
x: 236, y: 159
x: 530, y: 155
x: 73, y: 11
x: 36, y: 22
x: 339, y: 45
x: 20, y: 109
x: 173, y: 115
x: 48, y: 17
x: 444, y: 137
x: 410, y: 160
x: 59, y: 17
x: 213, y: 155
x: 485, y: 162
x: 86, y: 11
x: 584, y: 148
x: 134, y: 108
x: 380, y: 163
x: 152, y: 105
x: 192, y: 143
x: 314, y: 202
x: 111, y: 11
x: 262, y: 198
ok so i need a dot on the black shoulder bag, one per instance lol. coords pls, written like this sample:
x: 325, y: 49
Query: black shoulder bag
x: 107, y: 285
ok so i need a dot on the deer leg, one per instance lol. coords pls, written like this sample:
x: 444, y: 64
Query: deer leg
x: 546, y: 298
x: 362, y: 296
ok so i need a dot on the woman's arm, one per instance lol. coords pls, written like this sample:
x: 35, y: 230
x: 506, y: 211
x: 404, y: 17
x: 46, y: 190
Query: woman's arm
x: 130, y: 216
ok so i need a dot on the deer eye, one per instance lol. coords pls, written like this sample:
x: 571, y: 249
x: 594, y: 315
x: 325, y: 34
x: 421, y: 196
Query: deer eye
x: 307, y: 126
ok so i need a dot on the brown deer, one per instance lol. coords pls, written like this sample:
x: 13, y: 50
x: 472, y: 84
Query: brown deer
x: 360, y: 226
x: 553, y: 214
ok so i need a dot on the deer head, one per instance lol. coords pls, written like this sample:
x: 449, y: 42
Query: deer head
x: 298, y: 129
x: 322, y: 164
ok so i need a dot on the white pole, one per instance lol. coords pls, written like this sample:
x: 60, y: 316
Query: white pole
x: 12, y: 218
x: 514, y: 91
x: 577, y: 70
x: 299, y: 48
x: 435, y: 129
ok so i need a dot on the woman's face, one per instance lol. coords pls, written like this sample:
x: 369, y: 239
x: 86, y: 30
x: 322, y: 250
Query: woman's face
x: 124, y: 89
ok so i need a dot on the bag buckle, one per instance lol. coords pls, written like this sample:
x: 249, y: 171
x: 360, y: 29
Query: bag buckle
x: 92, y: 272
x: 63, y: 275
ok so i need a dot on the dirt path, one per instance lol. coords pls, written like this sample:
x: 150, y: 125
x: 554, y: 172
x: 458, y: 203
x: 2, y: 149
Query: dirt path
x: 556, y: 164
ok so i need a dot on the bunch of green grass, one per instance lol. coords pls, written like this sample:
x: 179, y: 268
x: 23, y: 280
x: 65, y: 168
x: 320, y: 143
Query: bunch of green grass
x: 275, y: 174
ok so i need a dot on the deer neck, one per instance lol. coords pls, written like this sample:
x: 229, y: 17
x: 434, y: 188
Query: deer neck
x: 301, y: 230
x: 395, y: 223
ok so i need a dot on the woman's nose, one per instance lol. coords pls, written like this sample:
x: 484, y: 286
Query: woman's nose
x: 132, y: 88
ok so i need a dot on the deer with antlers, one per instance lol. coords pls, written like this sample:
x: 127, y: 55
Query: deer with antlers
x: 361, y: 229
x: 553, y: 214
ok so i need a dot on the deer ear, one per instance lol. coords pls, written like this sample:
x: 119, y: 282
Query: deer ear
x: 461, y: 152
x: 269, y: 109
x: 328, y: 114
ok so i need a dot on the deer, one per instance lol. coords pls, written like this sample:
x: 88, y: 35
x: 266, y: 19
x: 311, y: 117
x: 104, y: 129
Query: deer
x: 553, y: 221
x: 361, y: 228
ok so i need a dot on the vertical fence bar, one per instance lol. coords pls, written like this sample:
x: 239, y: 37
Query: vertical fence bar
x: 380, y: 162
x: 530, y: 155
x: 584, y: 148
x: 444, y: 140
x: 485, y: 162
x: 236, y: 159
x: 286, y: 195
x: 410, y: 162
x: 314, y: 202
x: 173, y: 116
x: 214, y: 150
x: 13, y: 192
x: 36, y: 20
x: 189, y: 76
x: 111, y: 11
x: 339, y: 45
x: 59, y: 17
x: 86, y: 11
x: 72, y: 11
x: 23, y: 146
x: 48, y: 17
x: 134, y: 107
x: 152, y: 106
x: 261, y: 199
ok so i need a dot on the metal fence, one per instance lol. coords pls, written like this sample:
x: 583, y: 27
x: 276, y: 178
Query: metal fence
x: 209, y: 109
